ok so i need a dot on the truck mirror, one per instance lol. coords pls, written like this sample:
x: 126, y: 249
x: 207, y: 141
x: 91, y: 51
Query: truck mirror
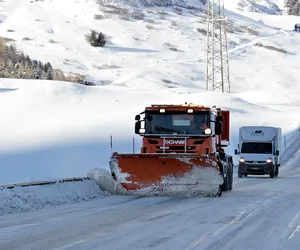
x: 218, y: 128
x: 149, y: 118
x: 137, y: 117
x: 219, y: 118
x: 137, y: 127
x: 277, y: 153
x: 236, y: 152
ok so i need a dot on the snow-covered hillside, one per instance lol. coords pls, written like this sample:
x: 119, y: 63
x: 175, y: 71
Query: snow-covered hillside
x: 273, y: 7
x: 138, y: 38
x: 154, y: 55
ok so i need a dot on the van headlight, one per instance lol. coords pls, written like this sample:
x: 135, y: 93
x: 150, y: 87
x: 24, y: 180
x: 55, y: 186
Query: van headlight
x: 269, y: 160
x: 242, y: 160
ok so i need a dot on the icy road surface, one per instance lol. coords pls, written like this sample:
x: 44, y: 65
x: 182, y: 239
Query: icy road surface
x: 260, y: 213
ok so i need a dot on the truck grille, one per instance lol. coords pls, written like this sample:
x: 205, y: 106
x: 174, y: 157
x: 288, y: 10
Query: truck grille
x: 255, y: 162
x: 176, y: 149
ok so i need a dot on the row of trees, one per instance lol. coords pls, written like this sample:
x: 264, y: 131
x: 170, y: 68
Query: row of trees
x: 293, y: 7
x: 18, y: 65
x: 15, y: 64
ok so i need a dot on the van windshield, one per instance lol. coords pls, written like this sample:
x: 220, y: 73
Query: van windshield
x: 257, y: 148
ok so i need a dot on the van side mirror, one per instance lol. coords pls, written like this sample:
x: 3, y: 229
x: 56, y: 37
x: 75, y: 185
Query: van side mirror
x: 218, y: 128
x: 277, y: 153
x: 236, y: 152
x: 137, y: 127
x: 137, y: 117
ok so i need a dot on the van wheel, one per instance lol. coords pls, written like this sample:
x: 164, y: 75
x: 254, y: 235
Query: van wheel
x: 240, y: 174
x: 276, y: 171
x: 272, y: 173
x: 230, y: 176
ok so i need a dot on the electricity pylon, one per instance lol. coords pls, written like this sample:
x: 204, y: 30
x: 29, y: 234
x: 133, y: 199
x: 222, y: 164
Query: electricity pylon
x: 217, y: 75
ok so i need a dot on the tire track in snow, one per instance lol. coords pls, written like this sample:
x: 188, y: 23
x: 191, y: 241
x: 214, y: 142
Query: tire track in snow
x: 251, y: 216
x: 72, y: 230
x: 153, y: 223
x: 295, y: 225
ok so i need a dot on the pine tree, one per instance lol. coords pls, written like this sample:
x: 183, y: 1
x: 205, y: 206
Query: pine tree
x: 49, y: 71
x: 13, y: 55
x: 101, y: 41
x: 293, y: 7
x: 93, y: 38
x: 28, y: 62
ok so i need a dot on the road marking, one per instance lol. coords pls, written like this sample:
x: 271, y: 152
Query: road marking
x: 297, y: 229
x: 292, y: 225
x: 76, y: 243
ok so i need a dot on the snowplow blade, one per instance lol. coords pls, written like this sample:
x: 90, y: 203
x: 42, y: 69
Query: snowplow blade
x: 169, y: 173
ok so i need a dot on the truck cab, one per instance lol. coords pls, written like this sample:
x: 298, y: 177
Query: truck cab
x: 183, y: 129
x: 259, y: 151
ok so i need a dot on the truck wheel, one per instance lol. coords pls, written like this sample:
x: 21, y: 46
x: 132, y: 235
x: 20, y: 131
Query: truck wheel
x: 225, y: 184
x: 219, y: 194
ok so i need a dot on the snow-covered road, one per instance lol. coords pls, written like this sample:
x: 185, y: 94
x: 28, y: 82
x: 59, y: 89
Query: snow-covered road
x: 260, y: 213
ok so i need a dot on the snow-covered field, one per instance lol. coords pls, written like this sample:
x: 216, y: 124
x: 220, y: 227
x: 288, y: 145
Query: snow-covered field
x: 53, y: 130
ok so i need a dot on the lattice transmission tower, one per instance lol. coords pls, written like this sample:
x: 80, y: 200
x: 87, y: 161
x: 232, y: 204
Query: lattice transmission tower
x: 217, y: 75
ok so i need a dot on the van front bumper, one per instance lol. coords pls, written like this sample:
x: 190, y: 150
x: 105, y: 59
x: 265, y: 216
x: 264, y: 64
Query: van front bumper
x: 257, y: 169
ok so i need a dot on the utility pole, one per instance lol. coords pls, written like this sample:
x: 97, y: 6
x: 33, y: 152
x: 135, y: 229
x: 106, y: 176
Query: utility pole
x: 217, y: 75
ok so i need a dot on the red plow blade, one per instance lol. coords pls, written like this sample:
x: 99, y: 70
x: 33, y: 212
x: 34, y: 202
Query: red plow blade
x: 185, y: 174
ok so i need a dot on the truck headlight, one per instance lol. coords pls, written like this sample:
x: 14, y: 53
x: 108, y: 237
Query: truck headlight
x: 207, y: 131
x: 269, y: 160
x: 242, y: 160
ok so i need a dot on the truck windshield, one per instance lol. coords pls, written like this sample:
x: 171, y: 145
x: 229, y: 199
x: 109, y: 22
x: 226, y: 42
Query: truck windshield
x: 177, y: 123
x: 257, y: 148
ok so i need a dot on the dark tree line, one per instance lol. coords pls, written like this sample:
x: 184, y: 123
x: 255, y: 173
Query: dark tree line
x: 18, y: 65
x: 293, y: 7
x: 14, y: 64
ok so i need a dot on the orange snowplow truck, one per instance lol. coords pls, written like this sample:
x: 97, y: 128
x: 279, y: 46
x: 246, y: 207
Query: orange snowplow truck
x: 182, y: 149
